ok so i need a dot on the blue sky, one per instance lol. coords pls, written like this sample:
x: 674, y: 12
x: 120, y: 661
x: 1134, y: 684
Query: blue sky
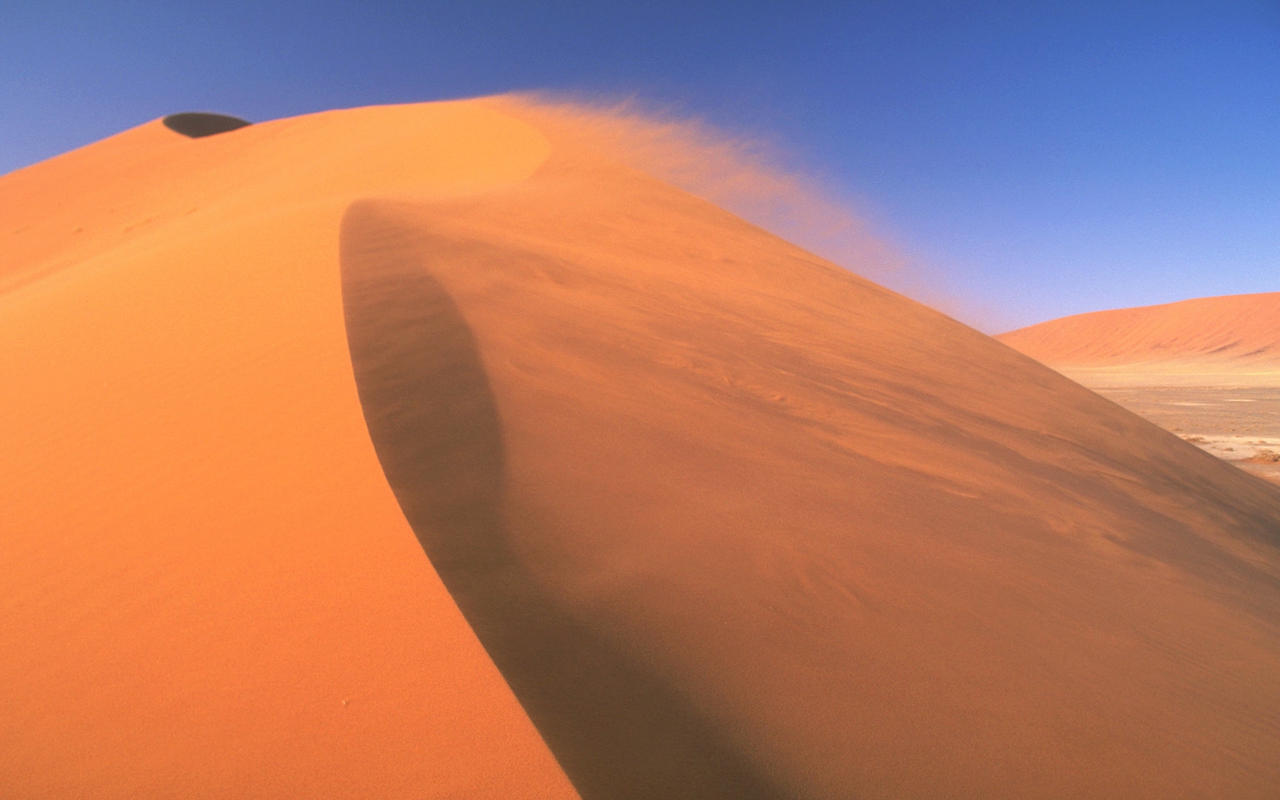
x: 1033, y: 159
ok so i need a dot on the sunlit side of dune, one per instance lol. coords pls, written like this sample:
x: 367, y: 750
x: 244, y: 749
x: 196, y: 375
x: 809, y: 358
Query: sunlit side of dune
x: 209, y: 589
x: 727, y: 520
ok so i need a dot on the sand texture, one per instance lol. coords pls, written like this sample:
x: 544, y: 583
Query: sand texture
x: 425, y: 451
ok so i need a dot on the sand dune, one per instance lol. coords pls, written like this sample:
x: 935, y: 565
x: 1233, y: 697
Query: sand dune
x: 1217, y: 339
x: 719, y: 519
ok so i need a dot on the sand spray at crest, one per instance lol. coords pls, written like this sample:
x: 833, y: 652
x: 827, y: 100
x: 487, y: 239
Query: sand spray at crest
x: 746, y: 175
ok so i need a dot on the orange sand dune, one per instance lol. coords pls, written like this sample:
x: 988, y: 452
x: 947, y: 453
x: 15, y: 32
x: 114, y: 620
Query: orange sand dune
x: 728, y: 520
x: 210, y: 590
x: 1233, y: 339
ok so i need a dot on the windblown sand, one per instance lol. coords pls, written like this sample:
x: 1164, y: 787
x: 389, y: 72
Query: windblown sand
x: 410, y: 451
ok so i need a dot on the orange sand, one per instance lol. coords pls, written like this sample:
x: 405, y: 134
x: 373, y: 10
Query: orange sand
x: 210, y: 590
x: 729, y: 520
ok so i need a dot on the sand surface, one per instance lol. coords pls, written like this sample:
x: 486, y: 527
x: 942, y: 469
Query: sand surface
x: 727, y: 520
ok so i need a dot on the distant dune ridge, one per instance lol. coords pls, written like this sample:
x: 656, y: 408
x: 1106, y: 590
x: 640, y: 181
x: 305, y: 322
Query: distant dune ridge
x: 702, y: 514
x: 1208, y: 335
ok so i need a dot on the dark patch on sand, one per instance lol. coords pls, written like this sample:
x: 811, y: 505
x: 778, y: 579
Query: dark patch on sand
x: 197, y: 124
x: 616, y: 727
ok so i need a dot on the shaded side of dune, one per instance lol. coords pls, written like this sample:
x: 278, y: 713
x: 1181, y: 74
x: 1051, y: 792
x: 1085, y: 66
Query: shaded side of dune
x: 616, y: 727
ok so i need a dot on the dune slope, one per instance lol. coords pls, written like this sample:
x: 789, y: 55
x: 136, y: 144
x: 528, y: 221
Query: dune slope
x: 875, y: 552
x: 728, y: 521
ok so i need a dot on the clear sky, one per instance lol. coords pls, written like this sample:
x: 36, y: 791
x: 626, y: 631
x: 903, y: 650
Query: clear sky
x: 1034, y: 159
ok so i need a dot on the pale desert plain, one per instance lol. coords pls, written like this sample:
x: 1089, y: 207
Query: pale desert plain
x: 449, y: 451
x: 1207, y: 369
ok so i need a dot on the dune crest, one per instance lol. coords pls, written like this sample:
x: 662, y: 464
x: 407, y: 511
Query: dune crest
x: 748, y: 176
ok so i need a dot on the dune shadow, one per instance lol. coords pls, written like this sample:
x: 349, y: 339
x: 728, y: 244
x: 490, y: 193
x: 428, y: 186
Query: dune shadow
x: 617, y: 729
x: 197, y: 124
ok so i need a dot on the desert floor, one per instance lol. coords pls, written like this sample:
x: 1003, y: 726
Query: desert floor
x: 1236, y: 424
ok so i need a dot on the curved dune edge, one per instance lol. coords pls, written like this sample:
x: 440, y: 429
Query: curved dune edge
x: 124, y: 189
x: 198, y: 124
x: 613, y: 724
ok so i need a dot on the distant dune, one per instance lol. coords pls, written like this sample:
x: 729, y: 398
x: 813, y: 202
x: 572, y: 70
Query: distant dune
x: 702, y: 515
x: 1237, y: 336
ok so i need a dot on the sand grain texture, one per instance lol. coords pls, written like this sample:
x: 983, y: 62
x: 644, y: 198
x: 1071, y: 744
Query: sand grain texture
x: 727, y: 520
